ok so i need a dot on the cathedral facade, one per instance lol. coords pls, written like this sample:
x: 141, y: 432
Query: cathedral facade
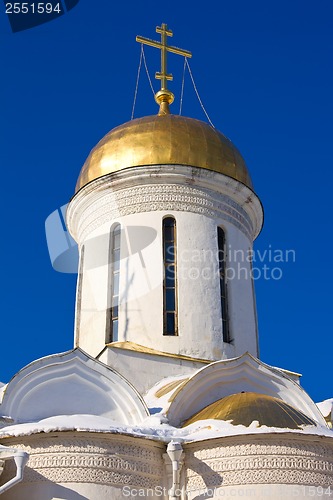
x: 164, y: 394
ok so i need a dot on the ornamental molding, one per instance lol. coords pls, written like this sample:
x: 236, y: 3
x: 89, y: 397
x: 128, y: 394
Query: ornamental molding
x: 110, y: 205
x: 151, y: 189
x: 268, y: 459
x: 229, y: 376
x: 64, y: 375
x: 113, y: 461
x: 117, y: 460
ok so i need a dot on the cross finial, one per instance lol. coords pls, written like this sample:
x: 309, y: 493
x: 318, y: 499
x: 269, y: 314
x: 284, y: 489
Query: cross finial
x: 164, y: 97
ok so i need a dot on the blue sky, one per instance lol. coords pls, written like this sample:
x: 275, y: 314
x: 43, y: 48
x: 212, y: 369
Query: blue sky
x: 264, y: 73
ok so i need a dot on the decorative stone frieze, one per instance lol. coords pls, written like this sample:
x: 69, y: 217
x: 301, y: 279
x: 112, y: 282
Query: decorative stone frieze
x: 261, y: 459
x: 113, y: 460
x: 151, y: 189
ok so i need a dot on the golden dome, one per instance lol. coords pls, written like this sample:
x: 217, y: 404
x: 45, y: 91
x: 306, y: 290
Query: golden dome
x: 163, y: 140
x: 246, y: 407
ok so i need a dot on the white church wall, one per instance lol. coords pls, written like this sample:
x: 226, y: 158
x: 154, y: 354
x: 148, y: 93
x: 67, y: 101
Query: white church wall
x: 86, y: 466
x: 141, y: 290
x: 266, y: 466
x: 145, y: 370
x: 138, y: 199
x: 241, y: 299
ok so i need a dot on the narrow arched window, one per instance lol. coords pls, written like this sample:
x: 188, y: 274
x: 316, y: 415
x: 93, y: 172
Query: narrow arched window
x: 223, y: 284
x: 170, y: 326
x: 79, y: 296
x: 114, y: 275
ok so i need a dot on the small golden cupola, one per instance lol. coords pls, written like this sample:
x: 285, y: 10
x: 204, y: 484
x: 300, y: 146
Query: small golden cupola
x: 244, y: 408
x: 164, y: 139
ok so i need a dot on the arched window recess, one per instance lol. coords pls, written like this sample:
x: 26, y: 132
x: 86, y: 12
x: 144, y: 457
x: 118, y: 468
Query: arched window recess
x: 170, y: 319
x: 112, y: 320
x: 222, y: 257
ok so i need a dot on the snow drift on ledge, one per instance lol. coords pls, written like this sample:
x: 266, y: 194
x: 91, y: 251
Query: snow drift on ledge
x: 153, y: 427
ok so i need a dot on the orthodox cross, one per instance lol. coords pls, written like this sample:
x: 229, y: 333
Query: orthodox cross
x: 164, y: 95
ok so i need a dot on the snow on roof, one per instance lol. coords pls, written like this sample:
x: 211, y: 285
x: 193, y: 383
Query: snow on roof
x: 157, y: 398
x: 2, y: 390
x: 153, y: 427
x: 326, y: 407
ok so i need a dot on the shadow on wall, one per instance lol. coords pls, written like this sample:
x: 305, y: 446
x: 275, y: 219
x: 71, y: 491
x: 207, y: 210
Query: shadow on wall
x: 41, y: 489
x: 209, y: 477
x: 62, y: 493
